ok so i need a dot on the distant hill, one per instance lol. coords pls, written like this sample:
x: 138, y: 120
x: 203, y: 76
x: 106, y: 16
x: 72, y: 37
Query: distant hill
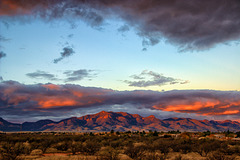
x: 120, y: 121
x: 7, y: 126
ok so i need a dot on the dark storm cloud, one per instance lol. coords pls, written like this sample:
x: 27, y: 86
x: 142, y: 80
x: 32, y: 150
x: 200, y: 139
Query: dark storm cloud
x: 18, y: 99
x: 78, y: 75
x: 189, y: 24
x: 2, y: 54
x: 67, y: 51
x: 42, y: 75
x: 156, y: 79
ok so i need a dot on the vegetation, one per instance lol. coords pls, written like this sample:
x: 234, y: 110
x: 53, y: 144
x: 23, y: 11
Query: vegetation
x: 137, y: 145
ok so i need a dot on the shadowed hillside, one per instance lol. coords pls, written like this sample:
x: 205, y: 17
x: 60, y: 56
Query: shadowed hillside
x: 121, y: 121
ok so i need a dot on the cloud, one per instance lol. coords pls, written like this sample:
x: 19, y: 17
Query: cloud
x: 189, y: 24
x: 70, y: 35
x: 3, y: 39
x: 67, y: 51
x: 78, y: 75
x: 156, y: 79
x: 123, y: 28
x: 70, y: 75
x: 42, y: 100
x: 2, y: 54
x: 42, y: 75
x: 1, y: 78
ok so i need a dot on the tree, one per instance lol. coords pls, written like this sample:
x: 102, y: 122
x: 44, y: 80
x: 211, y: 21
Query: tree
x: 238, y: 134
x: 112, y: 131
x: 155, y: 133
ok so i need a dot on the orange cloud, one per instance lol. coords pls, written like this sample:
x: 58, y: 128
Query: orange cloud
x: 12, y: 7
x: 230, y: 112
x: 16, y: 98
x: 51, y: 86
x: 51, y: 103
x: 186, y: 107
x: 210, y: 107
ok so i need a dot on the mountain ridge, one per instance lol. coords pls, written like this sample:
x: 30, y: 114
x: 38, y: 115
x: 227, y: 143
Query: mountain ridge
x: 120, y: 121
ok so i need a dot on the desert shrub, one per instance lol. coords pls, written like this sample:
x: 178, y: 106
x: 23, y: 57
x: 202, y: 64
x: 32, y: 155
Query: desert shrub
x: 154, y: 156
x: 35, y: 145
x: 231, y: 150
x: 90, y: 147
x: 185, y: 148
x: 10, y: 151
x: 76, y: 147
x: 238, y: 134
x: 176, y: 145
x: 62, y: 146
x: 108, y: 153
x: 183, y: 145
x: 27, y: 148
x: 220, y: 156
x: 206, y: 146
x: 161, y: 145
x: 45, y: 144
x: 178, y: 157
x: 36, y: 152
x: 135, y: 151
x: 115, y: 144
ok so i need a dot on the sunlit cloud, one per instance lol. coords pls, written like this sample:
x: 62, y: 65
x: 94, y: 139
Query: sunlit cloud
x: 61, y: 100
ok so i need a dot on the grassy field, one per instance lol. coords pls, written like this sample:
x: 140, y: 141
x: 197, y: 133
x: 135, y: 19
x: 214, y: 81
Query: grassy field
x: 118, y: 145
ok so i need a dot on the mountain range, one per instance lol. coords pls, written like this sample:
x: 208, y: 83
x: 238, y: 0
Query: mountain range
x: 120, y: 121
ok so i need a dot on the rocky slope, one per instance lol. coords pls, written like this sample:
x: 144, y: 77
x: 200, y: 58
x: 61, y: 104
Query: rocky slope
x: 121, y: 121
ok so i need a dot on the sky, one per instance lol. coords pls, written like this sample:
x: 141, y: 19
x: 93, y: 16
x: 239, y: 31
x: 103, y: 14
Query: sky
x: 169, y: 58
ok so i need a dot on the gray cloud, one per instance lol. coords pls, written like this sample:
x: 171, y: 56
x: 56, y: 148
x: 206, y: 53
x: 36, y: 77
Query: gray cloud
x: 156, y: 79
x: 123, y: 28
x: 41, y: 100
x: 3, y: 39
x: 78, y: 75
x: 70, y: 35
x: 189, y: 24
x: 67, y: 51
x: 42, y: 75
x: 2, y: 54
x: 1, y: 78
x: 70, y: 75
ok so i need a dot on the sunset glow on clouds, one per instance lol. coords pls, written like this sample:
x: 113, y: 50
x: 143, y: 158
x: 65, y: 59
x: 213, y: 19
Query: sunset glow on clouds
x: 168, y: 58
x: 51, y: 99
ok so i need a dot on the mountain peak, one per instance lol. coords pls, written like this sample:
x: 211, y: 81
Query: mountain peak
x: 151, y: 116
x: 121, y: 121
x: 103, y: 112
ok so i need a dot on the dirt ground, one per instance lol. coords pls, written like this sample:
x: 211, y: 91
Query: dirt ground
x: 65, y: 156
